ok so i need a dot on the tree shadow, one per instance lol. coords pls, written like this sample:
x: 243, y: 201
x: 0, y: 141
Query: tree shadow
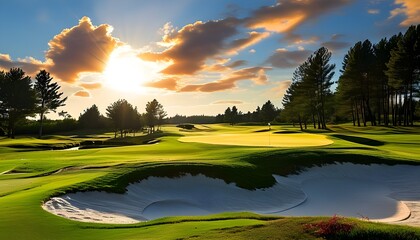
x: 359, y: 140
x: 262, y: 130
x: 286, y: 132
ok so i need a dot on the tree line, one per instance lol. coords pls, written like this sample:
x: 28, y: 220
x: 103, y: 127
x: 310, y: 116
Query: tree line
x: 124, y: 118
x: 265, y: 114
x: 20, y: 98
x: 379, y: 84
x: 307, y: 97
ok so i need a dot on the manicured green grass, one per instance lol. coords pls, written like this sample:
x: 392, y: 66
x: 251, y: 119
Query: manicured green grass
x: 29, y: 177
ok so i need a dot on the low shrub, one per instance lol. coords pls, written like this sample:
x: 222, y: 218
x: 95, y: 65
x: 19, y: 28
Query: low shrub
x: 333, y: 228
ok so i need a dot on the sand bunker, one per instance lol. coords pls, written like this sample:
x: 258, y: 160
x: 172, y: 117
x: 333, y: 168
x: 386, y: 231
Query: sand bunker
x: 262, y: 139
x: 375, y: 192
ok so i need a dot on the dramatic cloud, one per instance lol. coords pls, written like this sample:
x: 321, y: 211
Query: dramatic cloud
x: 283, y: 58
x: 91, y: 86
x: 29, y: 65
x: 167, y: 83
x: 335, y: 43
x: 409, y: 8
x: 230, y: 102
x: 285, y: 16
x: 240, y: 44
x: 224, y: 66
x: 83, y: 48
x: 297, y: 39
x: 255, y: 74
x: 236, y: 64
x: 193, y: 45
x: 82, y: 93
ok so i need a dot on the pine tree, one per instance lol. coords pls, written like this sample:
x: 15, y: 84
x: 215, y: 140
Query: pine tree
x: 49, y: 99
x: 17, y: 98
x: 403, y: 73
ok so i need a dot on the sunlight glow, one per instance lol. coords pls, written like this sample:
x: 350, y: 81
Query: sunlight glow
x: 126, y: 72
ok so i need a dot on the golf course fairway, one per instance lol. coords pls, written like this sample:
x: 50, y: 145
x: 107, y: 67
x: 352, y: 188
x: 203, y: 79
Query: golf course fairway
x: 198, y: 190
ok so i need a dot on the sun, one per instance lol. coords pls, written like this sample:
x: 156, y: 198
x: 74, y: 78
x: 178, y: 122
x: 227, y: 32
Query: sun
x: 126, y: 72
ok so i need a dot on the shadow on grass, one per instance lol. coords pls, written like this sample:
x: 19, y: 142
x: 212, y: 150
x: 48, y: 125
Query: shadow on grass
x: 377, y: 130
x: 359, y: 140
x: 262, y: 130
x: 286, y: 132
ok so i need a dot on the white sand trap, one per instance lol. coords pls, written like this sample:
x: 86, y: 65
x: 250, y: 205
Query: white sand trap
x: 160, y: 197
x: 374, y: 192
x: 262, y: 139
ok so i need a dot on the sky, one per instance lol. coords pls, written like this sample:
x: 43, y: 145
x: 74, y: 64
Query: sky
x: 194, y: 56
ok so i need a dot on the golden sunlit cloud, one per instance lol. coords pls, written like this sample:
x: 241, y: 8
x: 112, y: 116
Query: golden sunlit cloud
x: 167, y: 83
x: 192, y: 45
x: 254, y: 74
x: 409, y: 8
x: 82, y: 93
x: 204, y: 47
x: 126, y: 72
x: 285, y: 16
x: 240, y: 44
x: 224, y: 66
x: 83, y: 48
x: 29, y: 65
x: 280, y: 23
x: 91, y: 86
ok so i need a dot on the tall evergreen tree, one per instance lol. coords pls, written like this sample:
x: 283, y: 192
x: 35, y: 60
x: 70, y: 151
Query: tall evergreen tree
x: 268, y: 112
x: 234, y: 115
x: 154, y: 114
x: 49, y: 99
x: 319, y: 74
x: 403, y: 73
x: 17, y: 98
x: 356, y: 82
x: 161, y: 114
x: 310, y: 89
x: 90, y: 118
x: 228, y: 115
x: 298, y: 98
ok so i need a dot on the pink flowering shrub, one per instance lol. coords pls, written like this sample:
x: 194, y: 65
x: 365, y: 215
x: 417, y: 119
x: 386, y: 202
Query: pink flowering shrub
x: 331, y: 228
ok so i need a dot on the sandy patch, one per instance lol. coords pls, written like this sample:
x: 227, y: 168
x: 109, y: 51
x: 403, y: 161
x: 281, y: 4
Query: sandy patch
x: 160, y: 197
x: 262, y: 139
x: 375, y: 192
